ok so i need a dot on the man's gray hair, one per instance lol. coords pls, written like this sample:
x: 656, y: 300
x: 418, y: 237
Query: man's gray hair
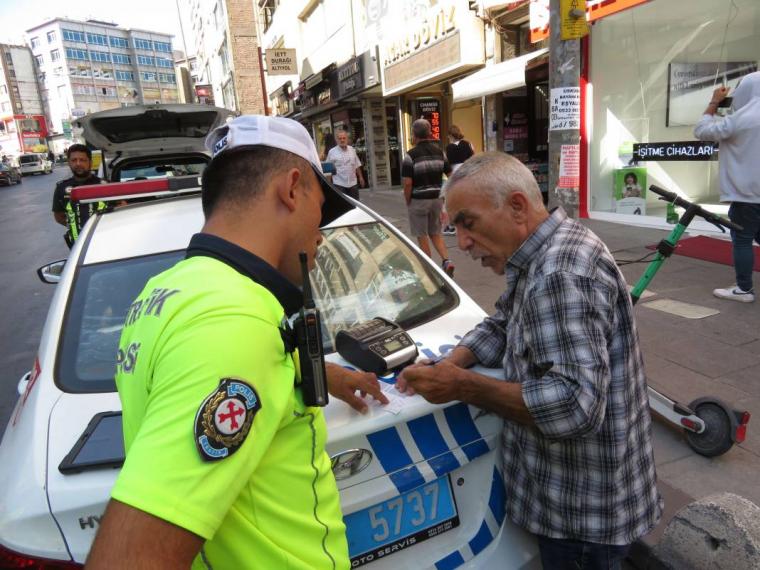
x: 498, y: 175
x: 421, y: 129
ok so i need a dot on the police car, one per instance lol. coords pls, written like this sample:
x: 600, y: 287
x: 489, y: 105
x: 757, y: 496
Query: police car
x: 420, y: 484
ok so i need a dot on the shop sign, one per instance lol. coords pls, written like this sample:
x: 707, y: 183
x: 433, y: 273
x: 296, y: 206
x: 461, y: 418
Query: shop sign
x: 430, y: 110
x: 66, y: 127
x: 281, y: 61
x: 686, y: 150
x: 350, y: 78
x: 565, y: 109
x: 449, y: 37
x: 595, y: 9
x: 78, y: 112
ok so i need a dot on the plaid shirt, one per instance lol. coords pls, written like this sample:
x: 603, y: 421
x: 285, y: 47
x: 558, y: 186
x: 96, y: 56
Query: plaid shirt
x: 564, y: 329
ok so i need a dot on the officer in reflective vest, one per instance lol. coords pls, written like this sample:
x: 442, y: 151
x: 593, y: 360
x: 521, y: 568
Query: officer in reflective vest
x: 73, y: 217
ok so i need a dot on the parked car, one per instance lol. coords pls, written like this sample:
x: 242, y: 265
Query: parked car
x: 420, y: 484
x: 34, y: 163
x: 9, y: 174
x: 152, y: 141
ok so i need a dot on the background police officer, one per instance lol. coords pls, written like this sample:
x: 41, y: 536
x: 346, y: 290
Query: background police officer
x: 225, y: 465
x: 65, y: 213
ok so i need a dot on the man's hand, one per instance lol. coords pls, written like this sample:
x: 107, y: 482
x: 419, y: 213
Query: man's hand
x: 343, y: 384
x: 719, y: 94
x: 438, y: 383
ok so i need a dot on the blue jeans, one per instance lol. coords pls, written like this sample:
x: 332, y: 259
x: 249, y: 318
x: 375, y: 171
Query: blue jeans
x: 564, y: 554
x: 748, y: 216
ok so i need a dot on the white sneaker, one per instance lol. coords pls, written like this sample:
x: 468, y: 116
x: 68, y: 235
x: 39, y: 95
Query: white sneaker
x: 733, y: 293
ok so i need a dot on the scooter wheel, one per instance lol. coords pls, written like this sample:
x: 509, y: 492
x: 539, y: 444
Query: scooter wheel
x: 716, y: 438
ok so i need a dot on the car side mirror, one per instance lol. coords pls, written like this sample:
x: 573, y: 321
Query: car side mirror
x: 51, y: 273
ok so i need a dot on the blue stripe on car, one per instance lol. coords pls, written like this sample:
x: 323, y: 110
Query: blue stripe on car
x: 389, y: 449
x: 482, y: 539
x: 453, y: 560
x: 465, y: 431
x: 497, y: 500
x: 431, y: 444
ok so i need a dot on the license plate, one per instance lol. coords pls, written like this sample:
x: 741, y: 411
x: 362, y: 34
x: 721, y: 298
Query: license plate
x: 401, y: 522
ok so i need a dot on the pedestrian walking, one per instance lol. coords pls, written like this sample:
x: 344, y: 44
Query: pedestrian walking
x: 576, y: 443
x: 348, y: 177
x: 457, y: 151
x: 739, y: 174
x: 225, y: 465
x: 73, y: 217
x: 422, y: 171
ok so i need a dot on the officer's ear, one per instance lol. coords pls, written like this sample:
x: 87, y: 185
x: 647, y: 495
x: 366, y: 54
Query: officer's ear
x: 286, y: 187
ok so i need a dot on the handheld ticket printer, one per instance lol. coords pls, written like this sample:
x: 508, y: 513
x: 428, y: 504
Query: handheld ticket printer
x: 311, y: 354
x: 378, y: 345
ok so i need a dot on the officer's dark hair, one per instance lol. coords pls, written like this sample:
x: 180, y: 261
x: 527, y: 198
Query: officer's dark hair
x: 78, y: 148
x: 236, y: 176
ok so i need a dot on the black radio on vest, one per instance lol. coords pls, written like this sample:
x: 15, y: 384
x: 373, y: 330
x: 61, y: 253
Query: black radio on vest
x: 311, y: 355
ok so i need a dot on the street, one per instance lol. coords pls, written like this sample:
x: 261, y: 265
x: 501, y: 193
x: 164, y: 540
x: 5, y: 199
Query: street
x: 29, y: 238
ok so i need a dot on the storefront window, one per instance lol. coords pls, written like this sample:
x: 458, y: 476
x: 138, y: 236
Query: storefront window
x: 653, y: 70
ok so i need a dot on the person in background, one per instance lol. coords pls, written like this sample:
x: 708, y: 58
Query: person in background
x: 739, y: 172
x: 457, y: 151
x: 348, y: 177
x: 422, y: 172
x: 64, y: 212
x: 576, y: 439
x: 328, y: 144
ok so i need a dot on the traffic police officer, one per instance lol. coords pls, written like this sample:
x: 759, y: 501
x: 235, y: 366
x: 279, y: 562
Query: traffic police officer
x: 65, y: 213
x: 225, y: 465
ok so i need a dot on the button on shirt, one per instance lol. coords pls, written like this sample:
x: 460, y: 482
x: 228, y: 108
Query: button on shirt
x: 346, y: 162
x: 564, y: 329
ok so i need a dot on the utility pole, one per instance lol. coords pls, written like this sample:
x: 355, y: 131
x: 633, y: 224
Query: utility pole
x: 567, y: 19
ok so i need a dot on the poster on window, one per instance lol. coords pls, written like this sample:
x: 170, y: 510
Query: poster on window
x: 691, y: 85
x: 630, y: 190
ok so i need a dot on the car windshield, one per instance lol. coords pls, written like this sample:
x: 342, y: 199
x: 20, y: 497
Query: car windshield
x: 4, y: 168
x: 28, y: 159
x: 158, y: 168
x: 362, y: 271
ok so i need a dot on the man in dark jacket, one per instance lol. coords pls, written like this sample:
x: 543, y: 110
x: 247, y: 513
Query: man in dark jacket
x: 64, y: 212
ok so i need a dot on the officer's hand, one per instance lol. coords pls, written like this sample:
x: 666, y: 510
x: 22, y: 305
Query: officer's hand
x: 438, y: 384
x: 343, y: 384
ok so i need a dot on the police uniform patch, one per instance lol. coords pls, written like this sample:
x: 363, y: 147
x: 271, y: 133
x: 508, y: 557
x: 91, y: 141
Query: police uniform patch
x: 224, y: 419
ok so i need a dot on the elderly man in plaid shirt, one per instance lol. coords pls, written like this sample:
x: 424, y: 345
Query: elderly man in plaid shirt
x: 577, y: 441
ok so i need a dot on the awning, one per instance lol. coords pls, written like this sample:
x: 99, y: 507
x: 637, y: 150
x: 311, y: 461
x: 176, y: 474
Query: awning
x: 494, y: 78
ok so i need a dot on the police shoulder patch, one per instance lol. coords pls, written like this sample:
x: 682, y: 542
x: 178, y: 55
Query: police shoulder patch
x: 224, y: 419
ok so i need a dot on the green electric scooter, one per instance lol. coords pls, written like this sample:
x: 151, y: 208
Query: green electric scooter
x: 712, y: 427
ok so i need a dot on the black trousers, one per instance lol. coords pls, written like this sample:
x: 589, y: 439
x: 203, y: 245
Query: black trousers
x: 352, y: 191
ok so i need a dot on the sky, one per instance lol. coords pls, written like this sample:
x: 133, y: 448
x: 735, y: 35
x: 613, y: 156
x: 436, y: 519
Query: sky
x: 16, y: 16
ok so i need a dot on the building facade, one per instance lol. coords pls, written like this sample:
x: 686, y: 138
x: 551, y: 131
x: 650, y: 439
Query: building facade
x: 228, y: 55
x: 23, y: 127
x: 90, y: 66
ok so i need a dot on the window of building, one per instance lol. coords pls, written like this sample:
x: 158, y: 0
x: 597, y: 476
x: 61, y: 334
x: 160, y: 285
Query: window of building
x: 162, y: 46
x: 224, y: 59
x: 72, y: 53
x: 107, y: 91
x: 124, y: 75
x: 51, y: 36
x: 3, y: 89
x: 163, y: 62
x: 228, y: 95
x: 167, y: 78
x: 100, y: 56
x: 8, y: 58
x: 143, y: 44
x: 97, y: 39
x: 148, y: 76
x: 55, y: 55
x: 73, y: 36
x: 34, y: 42
x: 118, y: 42
x: 39, y: 59
x: 121, y: 58
x: 82, y: 89
x: 58, y: 71
x: 266, y: 12
x: 146, y: 60
x: 6, y: 107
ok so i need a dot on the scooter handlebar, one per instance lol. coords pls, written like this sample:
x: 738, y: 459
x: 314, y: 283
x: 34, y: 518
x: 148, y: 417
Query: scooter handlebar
x: 674, y: 198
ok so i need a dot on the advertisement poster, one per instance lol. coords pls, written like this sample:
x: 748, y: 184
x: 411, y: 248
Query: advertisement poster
x: 570, y: 166
x: 690, y: 87
x: 630, y: 190
x: 565, y: 108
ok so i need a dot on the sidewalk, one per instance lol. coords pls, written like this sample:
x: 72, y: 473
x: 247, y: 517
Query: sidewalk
x: 718, y: 355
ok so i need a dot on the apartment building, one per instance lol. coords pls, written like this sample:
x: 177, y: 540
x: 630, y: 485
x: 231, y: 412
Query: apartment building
x: 228, y: 56
x: 88, y: 66
x: 22, y: 122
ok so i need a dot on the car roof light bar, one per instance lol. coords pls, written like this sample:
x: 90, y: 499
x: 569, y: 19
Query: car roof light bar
x: 158, y: 187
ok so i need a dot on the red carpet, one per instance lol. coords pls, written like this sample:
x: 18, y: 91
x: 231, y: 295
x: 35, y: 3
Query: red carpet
x: 709, y: 249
